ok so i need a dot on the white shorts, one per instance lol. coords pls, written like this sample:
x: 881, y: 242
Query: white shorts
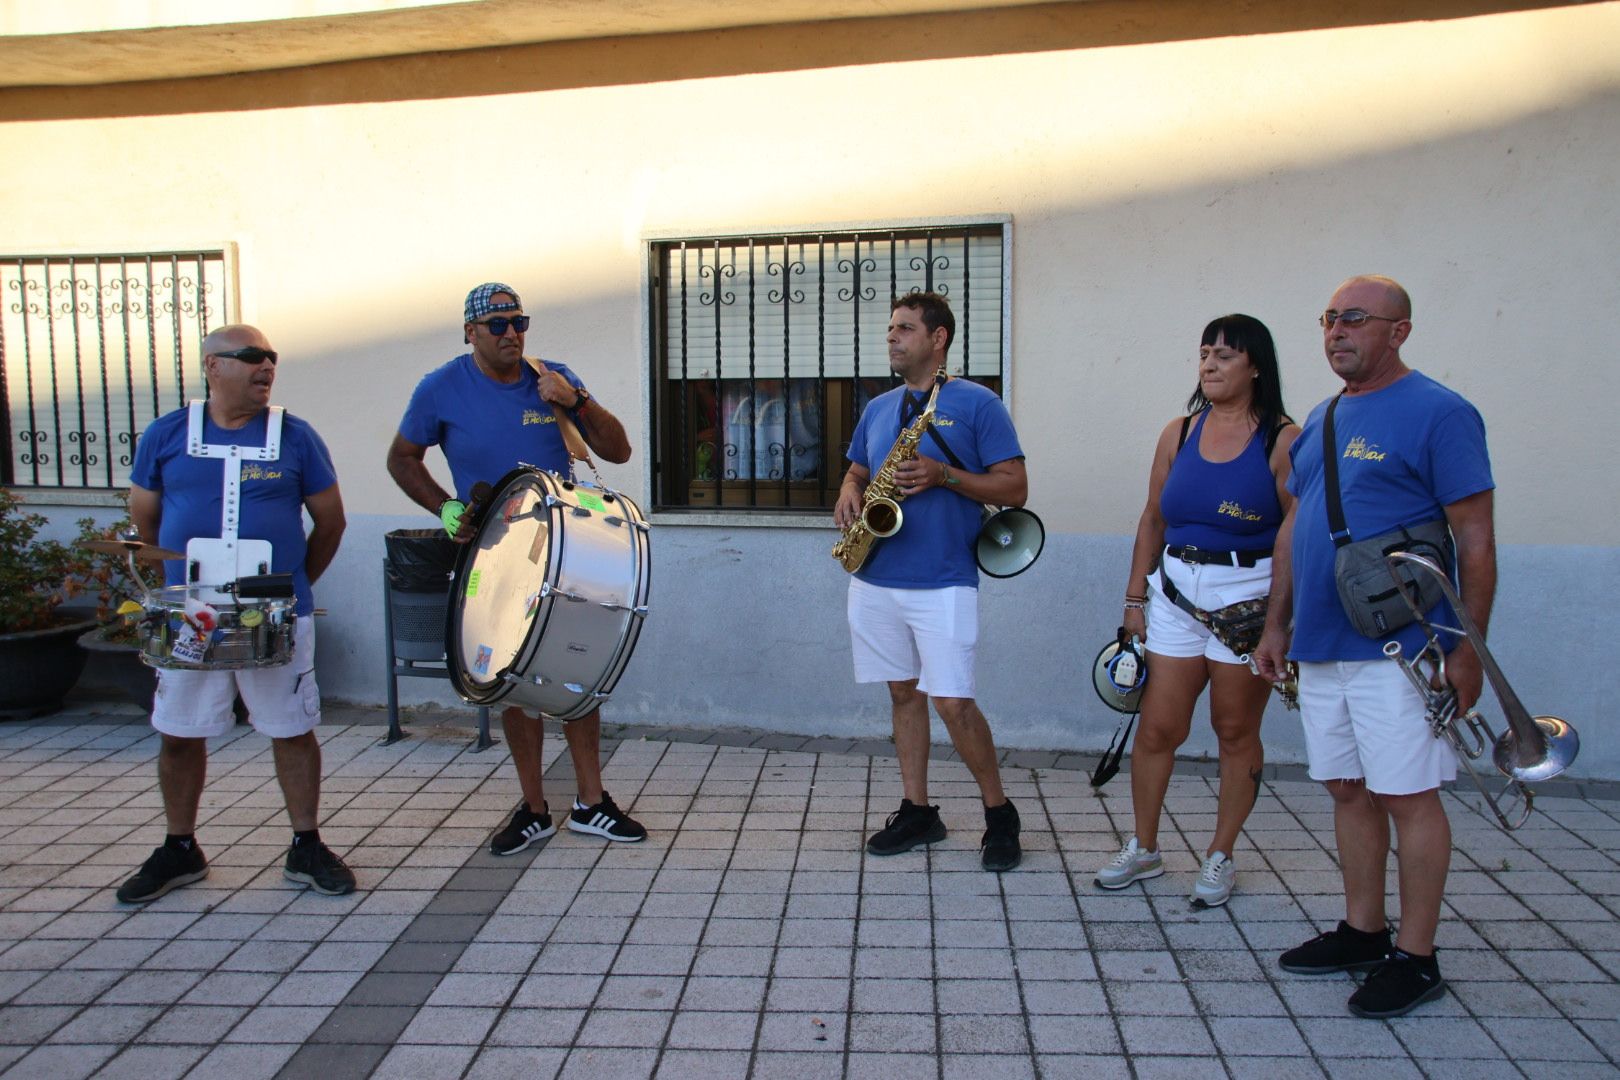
x: 282, y: 701
x: 1364, y: 720
x: 925, y: 634
x: 1173, y: 632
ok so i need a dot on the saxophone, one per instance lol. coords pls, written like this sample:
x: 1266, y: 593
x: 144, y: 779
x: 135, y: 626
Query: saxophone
x: 880, y: 505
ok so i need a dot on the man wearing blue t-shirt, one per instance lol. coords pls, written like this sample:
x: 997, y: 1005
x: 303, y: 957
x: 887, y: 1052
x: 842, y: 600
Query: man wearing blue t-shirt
x: 488, y: 410
x: 236, y: 468
x: 1408, y: 451
x: 914, y: 604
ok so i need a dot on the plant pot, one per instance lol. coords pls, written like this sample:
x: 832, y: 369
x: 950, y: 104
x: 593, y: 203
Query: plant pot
x: 39, y: 667
x: 116, y: 666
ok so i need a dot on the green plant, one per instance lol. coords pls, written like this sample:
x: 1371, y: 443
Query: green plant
x: 36, y: 576
x: 107, y: 575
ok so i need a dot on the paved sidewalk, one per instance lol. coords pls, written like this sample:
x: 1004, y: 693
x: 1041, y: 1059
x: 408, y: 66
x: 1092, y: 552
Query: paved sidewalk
x: 749, y: 936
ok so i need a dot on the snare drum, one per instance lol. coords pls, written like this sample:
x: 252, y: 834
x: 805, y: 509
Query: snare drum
x: 247, y: 634
x: 549, y: 596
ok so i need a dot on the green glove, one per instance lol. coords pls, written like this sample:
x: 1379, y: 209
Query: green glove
x: 450, y: 512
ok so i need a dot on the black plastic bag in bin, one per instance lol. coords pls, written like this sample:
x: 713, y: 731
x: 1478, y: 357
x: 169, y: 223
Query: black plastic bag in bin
x: 420, y: 560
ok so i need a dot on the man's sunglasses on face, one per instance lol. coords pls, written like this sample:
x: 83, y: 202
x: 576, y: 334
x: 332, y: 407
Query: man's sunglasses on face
x: 251, y: 354
x: 499, y: 323
x: 1350, y: 317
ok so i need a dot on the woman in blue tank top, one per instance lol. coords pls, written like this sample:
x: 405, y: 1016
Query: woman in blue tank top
x: 1216, y: 495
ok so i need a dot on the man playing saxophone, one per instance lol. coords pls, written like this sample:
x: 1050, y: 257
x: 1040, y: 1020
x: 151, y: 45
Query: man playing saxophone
x: 1405, y: 451
x: 913, y: 602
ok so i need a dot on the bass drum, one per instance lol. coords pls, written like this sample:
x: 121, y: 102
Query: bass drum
x: 549, y: 596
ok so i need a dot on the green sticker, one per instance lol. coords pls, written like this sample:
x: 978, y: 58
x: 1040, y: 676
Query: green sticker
x: 591, y: 502
x: 472, y: 584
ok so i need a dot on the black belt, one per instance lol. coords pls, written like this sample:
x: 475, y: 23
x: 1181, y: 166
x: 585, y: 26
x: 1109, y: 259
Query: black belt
x: 1190, y: 554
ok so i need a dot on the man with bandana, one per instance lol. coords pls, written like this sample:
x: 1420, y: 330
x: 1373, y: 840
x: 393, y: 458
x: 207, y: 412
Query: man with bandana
x: 488, y: 410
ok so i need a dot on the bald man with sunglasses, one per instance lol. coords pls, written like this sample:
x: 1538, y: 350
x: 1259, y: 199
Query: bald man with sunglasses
x: 236, y: 461
x: 488, y: 410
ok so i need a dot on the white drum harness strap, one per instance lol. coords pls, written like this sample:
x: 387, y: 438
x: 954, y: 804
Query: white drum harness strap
x: 211, y: 563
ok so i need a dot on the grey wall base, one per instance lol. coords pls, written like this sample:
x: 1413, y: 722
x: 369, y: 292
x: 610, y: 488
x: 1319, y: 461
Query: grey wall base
x: 747, y: 629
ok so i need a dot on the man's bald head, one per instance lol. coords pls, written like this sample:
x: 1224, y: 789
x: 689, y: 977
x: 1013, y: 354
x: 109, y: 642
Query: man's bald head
x: 234, y: 336
x: 1400, y: 304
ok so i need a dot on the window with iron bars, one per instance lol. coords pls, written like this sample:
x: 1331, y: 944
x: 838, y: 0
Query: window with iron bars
x: 767, y: 348
x: 92, y: 348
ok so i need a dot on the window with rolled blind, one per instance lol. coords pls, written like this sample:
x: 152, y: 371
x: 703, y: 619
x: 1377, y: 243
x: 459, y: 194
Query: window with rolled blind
x: 767, y: 348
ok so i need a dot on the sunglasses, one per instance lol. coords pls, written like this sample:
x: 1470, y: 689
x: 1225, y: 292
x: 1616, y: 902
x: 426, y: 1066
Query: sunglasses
x: 499, y: 323
x: 251, y: 354
x: 1350, y: 317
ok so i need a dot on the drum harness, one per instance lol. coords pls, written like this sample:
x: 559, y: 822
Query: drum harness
x: 215, y: 562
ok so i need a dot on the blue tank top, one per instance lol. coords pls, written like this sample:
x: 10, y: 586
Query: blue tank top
x: 1225, y: 506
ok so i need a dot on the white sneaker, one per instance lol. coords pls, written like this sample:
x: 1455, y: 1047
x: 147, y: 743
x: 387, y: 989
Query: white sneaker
x: 1215, y: 881
x: 1131, y: 864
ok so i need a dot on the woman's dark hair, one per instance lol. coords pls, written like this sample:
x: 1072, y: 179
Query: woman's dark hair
x: 1247, y: 334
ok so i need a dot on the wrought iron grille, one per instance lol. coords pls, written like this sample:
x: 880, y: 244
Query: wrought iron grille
x: 92, y: 347
x: 767, y: 348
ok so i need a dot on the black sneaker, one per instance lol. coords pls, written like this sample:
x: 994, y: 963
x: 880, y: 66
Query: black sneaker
x: 907, y: 827
x: 319, y: 867
x: 1341, y: 949
x: 607, y: 821
x: 999, y: 849
x: 524, y: 829
x: 1398, y: 985
x: 168, y: 868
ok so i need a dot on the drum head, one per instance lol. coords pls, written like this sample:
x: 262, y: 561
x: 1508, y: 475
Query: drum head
x: 499, y: 581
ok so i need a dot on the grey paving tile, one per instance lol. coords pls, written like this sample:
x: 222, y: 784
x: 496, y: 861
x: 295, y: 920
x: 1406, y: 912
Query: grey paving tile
x: 505, y: 1063
x: 151, y: 1063
x: 61, y: 1062
x: 329, y: 1061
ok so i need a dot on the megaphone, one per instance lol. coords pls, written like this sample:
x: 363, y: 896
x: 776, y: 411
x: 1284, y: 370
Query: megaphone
x: 1009, y: 541
x: 1120, y: 673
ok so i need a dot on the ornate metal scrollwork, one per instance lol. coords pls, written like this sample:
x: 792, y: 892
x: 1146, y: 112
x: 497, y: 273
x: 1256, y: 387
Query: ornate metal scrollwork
x: 718, y: 296
x: 852, y: 266
x: 785, y: 272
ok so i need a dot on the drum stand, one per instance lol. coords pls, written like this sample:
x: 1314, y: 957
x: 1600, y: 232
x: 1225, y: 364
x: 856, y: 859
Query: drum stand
x: 416, y: 650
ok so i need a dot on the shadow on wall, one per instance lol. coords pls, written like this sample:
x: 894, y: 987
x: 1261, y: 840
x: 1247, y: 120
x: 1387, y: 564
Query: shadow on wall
x: 739, y: 51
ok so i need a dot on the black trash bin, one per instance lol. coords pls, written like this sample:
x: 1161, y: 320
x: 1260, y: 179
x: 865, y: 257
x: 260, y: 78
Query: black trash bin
x: 416, y: 593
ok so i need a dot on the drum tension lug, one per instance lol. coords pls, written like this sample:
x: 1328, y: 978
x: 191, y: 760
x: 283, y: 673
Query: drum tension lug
x: 573, y: 688
x: 579, y: 511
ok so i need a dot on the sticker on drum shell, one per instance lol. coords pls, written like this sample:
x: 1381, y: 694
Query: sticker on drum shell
x: 190, y: 647
x: 531, y: 605
x: 590, y: 502
x: 482, y: 659
x: 472, y: 584
x: 513, y: 507
x: 250, y: 617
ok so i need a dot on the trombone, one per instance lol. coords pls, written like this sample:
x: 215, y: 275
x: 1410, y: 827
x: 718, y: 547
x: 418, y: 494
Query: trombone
x: 1532, y: 748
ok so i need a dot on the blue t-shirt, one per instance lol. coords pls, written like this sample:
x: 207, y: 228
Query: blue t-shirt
x: 1221, y: 506
x: 1406, y: 452
x: 273, y: 492
x: 934, y: 547
x: 486, y: 427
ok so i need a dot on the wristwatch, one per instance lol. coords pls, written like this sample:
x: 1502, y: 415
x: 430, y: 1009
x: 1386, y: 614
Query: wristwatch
x: 581, y: 396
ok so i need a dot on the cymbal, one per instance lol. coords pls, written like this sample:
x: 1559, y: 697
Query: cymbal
x: 142, y: 552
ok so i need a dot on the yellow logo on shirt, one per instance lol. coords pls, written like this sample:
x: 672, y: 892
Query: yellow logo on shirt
x: 1359, y: 449
x: 1232, y: 509
x: 943, y: 421
x: 532, y: 416
x: 259, y: 472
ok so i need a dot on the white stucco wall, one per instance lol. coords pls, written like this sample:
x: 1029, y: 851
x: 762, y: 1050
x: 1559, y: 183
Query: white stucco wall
x: 1150, y: 188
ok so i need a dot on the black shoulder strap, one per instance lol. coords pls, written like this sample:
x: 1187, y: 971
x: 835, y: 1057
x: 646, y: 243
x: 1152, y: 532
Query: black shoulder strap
x: 1277, y: 426
x: 1330, y: 472
x: 950, y: 455
x: 1186, y: 421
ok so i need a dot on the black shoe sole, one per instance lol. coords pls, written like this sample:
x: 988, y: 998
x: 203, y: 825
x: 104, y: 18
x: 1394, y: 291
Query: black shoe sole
x: 309, y: 879
x: 1428, y: 995
x: 1363, y: 965
x: 1017, y: 858
x: 914, y: 842
x: 592, y: 830
x: 164, y: 889
x: 544, y: 835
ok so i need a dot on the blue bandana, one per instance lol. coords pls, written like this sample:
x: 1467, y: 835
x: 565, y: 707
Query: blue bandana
x: 478, y: 301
